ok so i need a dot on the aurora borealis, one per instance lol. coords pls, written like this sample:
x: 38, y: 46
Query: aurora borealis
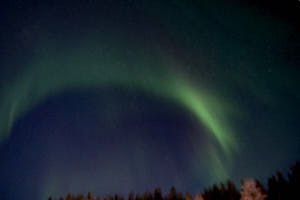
x: 119, y: 96
x: 51, y: 78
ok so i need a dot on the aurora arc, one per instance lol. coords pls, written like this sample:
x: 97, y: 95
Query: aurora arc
x: 56, y: 72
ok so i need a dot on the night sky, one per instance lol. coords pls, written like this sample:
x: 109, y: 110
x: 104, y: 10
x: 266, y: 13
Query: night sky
x: 118, y: 96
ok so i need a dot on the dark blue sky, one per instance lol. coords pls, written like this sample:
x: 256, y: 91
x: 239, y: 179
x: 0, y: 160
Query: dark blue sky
x: 88, y: 95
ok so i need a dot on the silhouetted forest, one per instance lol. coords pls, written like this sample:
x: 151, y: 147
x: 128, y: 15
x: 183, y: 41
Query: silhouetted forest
x: 279, y: 187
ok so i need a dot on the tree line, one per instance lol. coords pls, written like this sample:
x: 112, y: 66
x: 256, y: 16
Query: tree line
x: 279, y: 187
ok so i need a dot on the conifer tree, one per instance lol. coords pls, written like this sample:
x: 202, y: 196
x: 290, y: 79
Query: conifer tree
x: 80, y: 197
x: 89, y: 196
x: 157, y: 194
x: 252, y: 191
x: 188, y: 196
x: 131, y: 196
x: 232, y: 193
x: 98, y: 198
x: 138, y: 197
x: 199, y: 196
x: 294, y: 181
x: 172, y: 194
x: 180, y: 196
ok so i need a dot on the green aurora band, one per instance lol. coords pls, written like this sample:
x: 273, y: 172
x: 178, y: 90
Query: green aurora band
x: 82, y: 67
